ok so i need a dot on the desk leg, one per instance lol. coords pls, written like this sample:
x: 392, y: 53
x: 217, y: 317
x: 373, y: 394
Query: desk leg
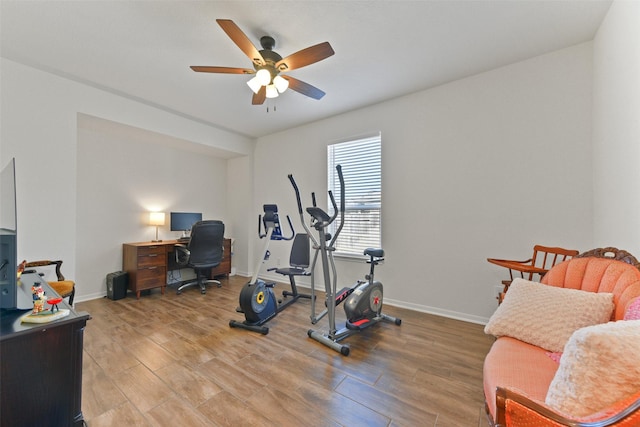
x: 162, y: 290
x: 138, y: 295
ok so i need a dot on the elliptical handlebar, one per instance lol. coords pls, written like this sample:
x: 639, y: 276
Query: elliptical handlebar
x: 341, y: 178
x: 295, y: 187
x: 319, y: 214
x: 342, y: 205
x: 335, y: 208
x: 300, y: 210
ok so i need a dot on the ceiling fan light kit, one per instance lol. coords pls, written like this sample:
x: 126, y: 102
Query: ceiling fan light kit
x: 267, y: 64
x: 254, y: 84
x: 281, y: 83
x: 272, y: 92
x: 264, y: 76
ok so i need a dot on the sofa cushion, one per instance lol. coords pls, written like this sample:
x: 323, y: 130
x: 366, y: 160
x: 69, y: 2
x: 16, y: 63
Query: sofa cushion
x: 600, y: 365
x: 546, y: 316
x: 517, y: 365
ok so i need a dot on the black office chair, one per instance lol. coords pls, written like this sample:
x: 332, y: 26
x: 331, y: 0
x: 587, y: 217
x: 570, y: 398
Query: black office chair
x: 202, y: 253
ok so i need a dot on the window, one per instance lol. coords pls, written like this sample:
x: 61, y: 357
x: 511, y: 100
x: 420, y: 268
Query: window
x: 361, y: 162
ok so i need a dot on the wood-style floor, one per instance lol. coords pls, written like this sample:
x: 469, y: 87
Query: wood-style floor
x: 173, y: 360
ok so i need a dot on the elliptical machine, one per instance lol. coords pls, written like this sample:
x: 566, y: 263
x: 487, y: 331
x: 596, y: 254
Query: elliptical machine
x: 257, y: 299
x: 363, y: 301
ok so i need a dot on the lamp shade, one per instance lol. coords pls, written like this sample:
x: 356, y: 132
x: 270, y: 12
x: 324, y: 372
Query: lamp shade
x: 156, y: 218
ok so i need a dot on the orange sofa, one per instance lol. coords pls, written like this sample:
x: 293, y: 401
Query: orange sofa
x: 517, y: 375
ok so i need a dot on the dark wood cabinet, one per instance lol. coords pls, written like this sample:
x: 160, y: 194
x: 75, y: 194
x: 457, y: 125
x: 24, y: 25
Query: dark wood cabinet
x: 41, y: 367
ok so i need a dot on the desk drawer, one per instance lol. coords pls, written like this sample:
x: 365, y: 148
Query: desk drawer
x: 151, y: 277
x: 151, y: 250
x: 151, y: 258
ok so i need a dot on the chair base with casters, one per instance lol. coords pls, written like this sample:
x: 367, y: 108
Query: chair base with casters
x: 64, y: 288
x: 201, y: 281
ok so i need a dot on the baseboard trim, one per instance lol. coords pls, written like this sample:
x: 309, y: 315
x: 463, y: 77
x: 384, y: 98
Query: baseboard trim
x: 396, y: 303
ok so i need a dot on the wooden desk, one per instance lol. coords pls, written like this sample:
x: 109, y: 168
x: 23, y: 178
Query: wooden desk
x: 147, y: 263
x: 41, y: 370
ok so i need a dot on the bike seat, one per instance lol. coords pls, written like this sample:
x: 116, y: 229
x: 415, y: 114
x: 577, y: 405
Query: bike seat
x: 374, y: 252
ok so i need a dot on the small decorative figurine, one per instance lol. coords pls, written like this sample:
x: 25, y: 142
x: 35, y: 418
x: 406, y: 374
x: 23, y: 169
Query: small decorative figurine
x: 39, y: 298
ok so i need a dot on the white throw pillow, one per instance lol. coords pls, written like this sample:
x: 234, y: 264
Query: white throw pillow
x: 600, y: 366
x: 546, y: 316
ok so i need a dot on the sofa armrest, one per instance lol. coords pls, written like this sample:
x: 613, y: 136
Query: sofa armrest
x: 516, y: 409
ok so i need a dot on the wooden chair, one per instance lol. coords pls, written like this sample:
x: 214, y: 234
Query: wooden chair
x: 544, y: 257
x: 64, y: 288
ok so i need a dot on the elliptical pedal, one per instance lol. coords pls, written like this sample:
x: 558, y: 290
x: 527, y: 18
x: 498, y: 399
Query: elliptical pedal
x: 359, y: 324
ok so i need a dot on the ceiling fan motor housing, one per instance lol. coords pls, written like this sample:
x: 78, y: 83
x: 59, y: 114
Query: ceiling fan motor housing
x: 270, y: 57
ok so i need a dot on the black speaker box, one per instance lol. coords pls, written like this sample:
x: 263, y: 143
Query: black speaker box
x: 117, y: 283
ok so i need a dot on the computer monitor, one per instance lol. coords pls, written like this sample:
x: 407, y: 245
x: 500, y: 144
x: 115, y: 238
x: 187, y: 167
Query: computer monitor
x: 183, y: 221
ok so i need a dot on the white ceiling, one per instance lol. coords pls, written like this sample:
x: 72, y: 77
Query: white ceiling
x: 383, y: 49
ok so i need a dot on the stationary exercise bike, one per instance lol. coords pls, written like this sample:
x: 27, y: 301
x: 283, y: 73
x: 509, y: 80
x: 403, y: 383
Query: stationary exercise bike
x: 257, y: 299
x: 363, y: 301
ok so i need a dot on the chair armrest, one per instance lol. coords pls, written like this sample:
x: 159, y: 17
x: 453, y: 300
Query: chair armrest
x: 522, y: 266
x: 516, y: 409
x: 182, y: 254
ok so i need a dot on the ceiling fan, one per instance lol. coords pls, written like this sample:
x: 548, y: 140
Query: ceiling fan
x: 267, y: 65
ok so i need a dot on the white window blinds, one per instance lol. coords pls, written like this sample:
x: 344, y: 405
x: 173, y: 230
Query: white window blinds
x: 361, y: 162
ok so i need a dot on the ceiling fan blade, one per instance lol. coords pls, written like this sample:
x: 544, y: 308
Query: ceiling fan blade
x: 305, y: 57
x: 304, y: 88
x: 225, y: 70
x: 258, y: 98
x: 241, y: 40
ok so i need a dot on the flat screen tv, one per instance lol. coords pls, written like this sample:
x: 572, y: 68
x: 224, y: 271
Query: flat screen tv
x: 8, y: 237
x: 183, y: 221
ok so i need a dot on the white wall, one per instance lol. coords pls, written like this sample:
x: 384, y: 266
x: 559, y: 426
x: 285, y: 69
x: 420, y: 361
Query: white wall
x: 616, y: 128
x: 482, y: 167
x: 124, y: 173
x: 242, y: 227
x: 39, y: 116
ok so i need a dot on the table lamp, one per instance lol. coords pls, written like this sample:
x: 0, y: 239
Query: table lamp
x: 157, y: 219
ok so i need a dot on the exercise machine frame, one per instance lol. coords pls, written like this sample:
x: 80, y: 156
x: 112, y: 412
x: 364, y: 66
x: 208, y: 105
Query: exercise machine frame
x: 365, y: 289
x: 257, y: 299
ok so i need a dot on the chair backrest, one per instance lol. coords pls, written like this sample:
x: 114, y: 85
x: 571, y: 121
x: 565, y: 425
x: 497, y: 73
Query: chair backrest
x: 601, y: 270
x: 206, y: 244
x: 299, y: 257
x: 546, y: 257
